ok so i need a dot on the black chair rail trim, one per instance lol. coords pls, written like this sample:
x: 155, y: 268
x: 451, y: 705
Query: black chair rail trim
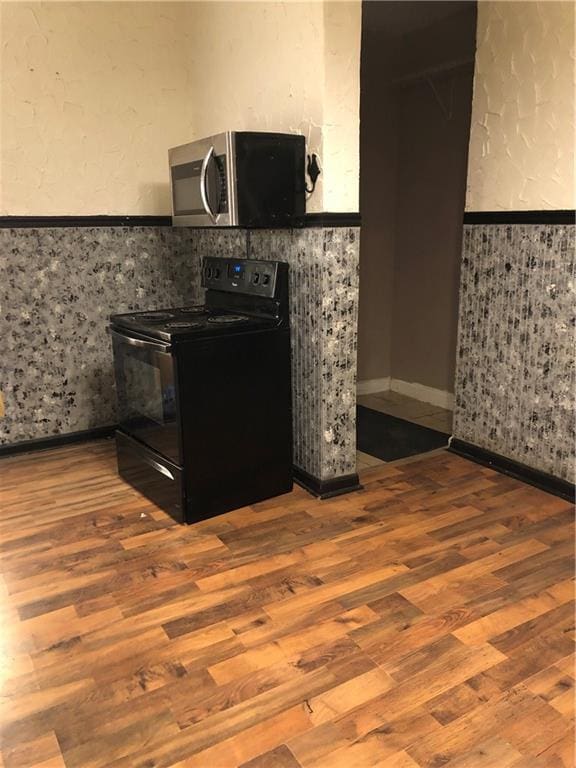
x: 42, y: 222
x: 520, y: 217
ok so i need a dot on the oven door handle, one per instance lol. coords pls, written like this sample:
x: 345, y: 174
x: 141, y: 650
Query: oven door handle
x: 142, y: 343
x: 203, y: 190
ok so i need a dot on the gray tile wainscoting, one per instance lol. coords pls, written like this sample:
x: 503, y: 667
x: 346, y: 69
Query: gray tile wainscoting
x: 58, y: 287
x: 515, y: 379
x: 324, y: 310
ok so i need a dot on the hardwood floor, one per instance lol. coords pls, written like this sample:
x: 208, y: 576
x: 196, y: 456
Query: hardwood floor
x: 425, y: 621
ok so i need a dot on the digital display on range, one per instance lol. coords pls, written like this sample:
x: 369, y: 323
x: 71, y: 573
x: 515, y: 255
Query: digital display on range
x: 236, y: 271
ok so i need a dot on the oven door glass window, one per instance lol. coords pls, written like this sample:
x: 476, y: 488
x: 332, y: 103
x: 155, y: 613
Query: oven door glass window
x: 186, y: 195
x: 145, y: 386
x: 187, y: 182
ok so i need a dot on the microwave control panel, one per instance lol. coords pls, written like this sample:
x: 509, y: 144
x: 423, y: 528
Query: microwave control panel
x: 255, y: 278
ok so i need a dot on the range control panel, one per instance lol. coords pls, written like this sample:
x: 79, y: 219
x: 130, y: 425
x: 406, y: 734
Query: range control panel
x: 255, y: 278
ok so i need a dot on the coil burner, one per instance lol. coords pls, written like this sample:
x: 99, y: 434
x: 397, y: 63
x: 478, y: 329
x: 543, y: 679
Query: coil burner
x: 184, y: 324
x: 226, y: 319
x: 155, y: 317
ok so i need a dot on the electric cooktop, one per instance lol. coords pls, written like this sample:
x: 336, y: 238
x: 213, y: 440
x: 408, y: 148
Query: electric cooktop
x: 184, y: 322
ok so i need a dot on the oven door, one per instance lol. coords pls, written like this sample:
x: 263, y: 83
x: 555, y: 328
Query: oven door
x: 202, y: 183
x: 146, y: 392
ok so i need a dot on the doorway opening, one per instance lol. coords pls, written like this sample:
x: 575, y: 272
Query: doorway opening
x: 417, y: 65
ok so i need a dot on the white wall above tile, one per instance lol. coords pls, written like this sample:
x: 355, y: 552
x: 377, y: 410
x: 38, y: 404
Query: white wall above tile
x: 522, y: 135
x: 94, y: 94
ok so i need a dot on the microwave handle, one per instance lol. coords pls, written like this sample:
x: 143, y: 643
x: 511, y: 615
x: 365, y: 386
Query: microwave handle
x: 203, y: 191
x: 143, y: 343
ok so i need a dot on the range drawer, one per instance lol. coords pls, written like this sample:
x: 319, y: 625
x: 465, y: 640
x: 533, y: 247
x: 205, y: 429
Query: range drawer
x: 153, y: 475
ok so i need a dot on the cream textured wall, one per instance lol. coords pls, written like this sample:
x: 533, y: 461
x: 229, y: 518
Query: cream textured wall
x: 92, y: 94
x: 259, y: 66
x: 341, y: 123
x: 284, y: 66
x: 522, y: 136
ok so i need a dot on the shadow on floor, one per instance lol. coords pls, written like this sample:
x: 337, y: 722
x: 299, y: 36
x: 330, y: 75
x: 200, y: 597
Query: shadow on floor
x: 389, y: 438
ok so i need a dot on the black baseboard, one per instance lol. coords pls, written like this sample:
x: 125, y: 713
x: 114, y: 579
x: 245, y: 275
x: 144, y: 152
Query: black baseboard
x: 541, y: 480
x: 55, y: 441
x: 326, y: 489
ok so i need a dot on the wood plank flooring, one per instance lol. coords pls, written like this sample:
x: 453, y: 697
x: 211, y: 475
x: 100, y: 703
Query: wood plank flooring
x: 423, y: 622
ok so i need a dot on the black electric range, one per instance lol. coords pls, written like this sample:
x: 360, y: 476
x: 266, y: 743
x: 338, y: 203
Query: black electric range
x: 204, y: 393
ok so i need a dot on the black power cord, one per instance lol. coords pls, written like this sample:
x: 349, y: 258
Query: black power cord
x: 313, y: 170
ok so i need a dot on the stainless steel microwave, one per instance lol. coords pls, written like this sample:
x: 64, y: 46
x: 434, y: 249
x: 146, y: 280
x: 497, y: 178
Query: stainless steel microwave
x: 239, y: 179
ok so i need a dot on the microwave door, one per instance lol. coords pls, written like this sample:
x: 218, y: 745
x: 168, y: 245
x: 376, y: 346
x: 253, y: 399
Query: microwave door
x: 199, y: 175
